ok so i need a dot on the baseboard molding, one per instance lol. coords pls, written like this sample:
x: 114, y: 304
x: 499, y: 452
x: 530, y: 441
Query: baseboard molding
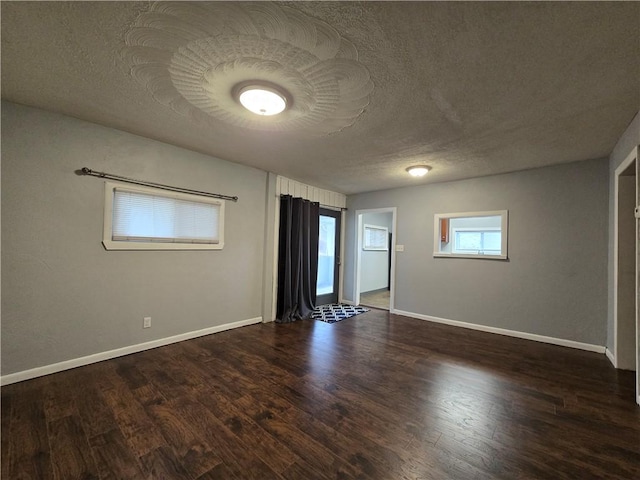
x: 502, y: 331
x: 610, y: 356
x: 348, y: 302
x: 119, y: 352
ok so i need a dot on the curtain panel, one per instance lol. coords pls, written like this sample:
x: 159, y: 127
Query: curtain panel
x: 297, y: 258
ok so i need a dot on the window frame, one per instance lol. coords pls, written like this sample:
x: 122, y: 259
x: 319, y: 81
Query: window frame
x: 107, y: 234
x: 504, y: 229
x: 368, y: 247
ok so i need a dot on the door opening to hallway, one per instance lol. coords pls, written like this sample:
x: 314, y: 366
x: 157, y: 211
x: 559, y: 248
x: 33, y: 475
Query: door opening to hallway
x: 375, y: 258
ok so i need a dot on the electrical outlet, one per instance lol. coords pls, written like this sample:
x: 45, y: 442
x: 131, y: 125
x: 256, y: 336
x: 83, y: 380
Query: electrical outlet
x: 147, y: 322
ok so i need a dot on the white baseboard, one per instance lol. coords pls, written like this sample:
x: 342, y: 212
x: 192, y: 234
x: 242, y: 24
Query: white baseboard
x: 119, y: 352
x: 610, y: 356
x: 510, y: 333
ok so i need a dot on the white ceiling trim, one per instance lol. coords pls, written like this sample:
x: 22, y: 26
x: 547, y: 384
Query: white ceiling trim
x: 286, y: 186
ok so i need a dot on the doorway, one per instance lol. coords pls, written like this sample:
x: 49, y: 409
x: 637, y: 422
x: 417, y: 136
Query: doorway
x: 328, y: 257
x: 375, y: 258
x: 625, y: 305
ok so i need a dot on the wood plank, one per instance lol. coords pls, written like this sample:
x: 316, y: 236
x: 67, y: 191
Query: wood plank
x: 114, y: 458
x: 310, y: 449
x: 272, y: 452
x: 95, y: 414
x: 127, y: 370
x: 190, y: 450
x: 30, y: 454
x: 70, y: 451
x: 6, y: 402
x: 238, y: 458
x: 132, y: 419
x: 162, y: 463
x: 59, y: 397
x: 219, y: 472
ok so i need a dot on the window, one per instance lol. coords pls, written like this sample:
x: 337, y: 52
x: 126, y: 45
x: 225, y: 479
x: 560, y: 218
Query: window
x: 471, y: 235
x: 143, y: 218
x: 326, y: 255
x: 375, y: 238
x: 480, y: 242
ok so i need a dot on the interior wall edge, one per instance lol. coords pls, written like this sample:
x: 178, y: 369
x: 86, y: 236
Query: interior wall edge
x: 610, y: 356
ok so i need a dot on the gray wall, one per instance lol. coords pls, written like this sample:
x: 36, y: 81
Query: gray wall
x: 554, y: 282
x: 629, y: 139
x: 63, y: 295
x: 374, y: 268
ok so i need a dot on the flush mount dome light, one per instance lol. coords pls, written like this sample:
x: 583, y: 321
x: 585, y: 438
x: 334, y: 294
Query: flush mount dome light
x: 418, y: 170
x: 261, y: 99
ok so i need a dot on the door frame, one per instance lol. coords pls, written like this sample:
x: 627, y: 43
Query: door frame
x: 337, y: 277
x: 632, y: 158
x: 358, y: 256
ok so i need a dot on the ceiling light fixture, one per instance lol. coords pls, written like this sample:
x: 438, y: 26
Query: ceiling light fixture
x: 418, y: 170
x: 261, y: 98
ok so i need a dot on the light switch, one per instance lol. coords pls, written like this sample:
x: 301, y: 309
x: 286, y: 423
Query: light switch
x: 399, y: 248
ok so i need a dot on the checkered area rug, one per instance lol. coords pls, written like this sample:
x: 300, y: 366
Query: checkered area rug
x: 335, y: 312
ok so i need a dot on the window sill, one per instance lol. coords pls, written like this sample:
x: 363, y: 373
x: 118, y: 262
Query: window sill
x: 480, y: 257
x: 113, y: 245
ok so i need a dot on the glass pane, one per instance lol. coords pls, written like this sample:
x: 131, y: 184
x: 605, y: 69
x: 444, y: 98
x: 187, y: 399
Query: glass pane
x: 468, y: 241
x: 326, y: 255
x: 492, y: 242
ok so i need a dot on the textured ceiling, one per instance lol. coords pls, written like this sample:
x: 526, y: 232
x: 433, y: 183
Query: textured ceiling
x: 471, y: 89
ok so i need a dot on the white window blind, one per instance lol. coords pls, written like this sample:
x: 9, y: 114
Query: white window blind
x: 375, y: 238
x: 145, y: 218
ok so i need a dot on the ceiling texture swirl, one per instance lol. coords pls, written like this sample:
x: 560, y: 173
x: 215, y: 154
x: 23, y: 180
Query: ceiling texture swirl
x: 190, y: 56
x: 467, y: 88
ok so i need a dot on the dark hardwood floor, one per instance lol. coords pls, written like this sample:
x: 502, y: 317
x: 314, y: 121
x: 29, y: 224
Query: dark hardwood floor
x: 377, y: 396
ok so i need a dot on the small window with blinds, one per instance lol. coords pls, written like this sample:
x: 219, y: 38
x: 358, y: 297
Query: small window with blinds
x: 375, y: 238
x: 143, y: 218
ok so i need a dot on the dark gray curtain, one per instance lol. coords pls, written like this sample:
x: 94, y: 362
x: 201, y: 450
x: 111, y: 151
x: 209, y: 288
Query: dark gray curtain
x: 297, y: 258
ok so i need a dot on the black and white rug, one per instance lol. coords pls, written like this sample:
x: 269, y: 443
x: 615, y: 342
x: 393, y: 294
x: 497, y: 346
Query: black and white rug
x: 335, y: 312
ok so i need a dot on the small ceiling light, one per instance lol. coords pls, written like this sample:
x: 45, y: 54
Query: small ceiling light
x: 418, y: 170
x: 262, y: 99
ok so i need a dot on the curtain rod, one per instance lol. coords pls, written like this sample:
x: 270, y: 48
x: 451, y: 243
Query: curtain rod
x: 110, y: 176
